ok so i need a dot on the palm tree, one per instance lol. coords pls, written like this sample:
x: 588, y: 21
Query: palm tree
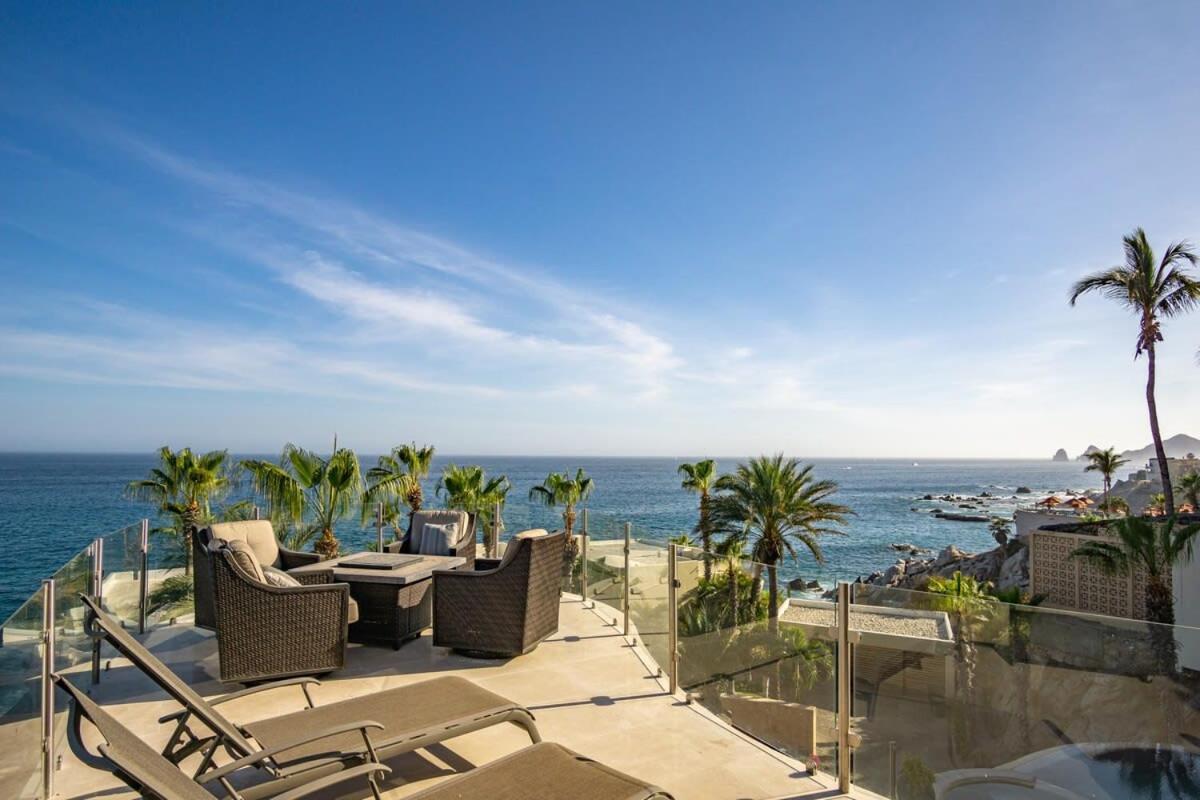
x: 560, y: 489
x: 1115, y: 505
x: 1106, y: 462
x: 389, y: 482
x: 303, y: 483
x: 1155, y: 291
x: 1155, y: 504
x: 968, y: 603
x: 1189, y: 485
x: 470, y: 489
x: 699, y: 478
x: 774, y: 503
x: 732, y: 551
x: 183, y: 485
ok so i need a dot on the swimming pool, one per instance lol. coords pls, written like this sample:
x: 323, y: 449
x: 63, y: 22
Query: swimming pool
x: 1113, y: 771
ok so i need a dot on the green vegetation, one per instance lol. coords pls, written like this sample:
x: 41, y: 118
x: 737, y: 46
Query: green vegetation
x: 560, y: 489
x: 395, y: 481
x: 172, y: 597
x: 1155, y: 290
x: 774, y: 504
x: 183, y: 486
x: 700, y: 479
x: 470, y: 489
x: 303, y: 484
x: 1106, y: 462
x: 1189, y: 487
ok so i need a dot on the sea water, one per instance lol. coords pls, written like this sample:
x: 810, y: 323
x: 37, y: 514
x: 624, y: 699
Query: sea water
x: 52, y: 505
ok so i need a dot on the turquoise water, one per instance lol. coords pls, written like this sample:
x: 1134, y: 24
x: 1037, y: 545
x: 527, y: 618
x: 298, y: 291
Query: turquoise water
x: 51, y: 506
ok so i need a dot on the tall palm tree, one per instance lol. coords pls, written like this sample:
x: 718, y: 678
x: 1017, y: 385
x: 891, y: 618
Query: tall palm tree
x: 470, y: 489
x: 732, y: 551
x: 183, y: 486
x: 1189, y: 486
x: 774, y: 504
x: 700, y: 478
x: 560, y: 489
x: 1106, y: 462
x: 1155, y: 290
x: 304, y: 484
x: 418, y: 460
x: 389, y: 482
x: 967, y: 602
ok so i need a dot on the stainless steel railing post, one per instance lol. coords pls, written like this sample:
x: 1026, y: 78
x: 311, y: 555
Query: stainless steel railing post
x: 843, y: 687
x: 97, y: 592
x: 892, y: 770
x: 583, y: 567
x: 628, y: 534
x: 144, y: 581
x: 379, y: 526
x: 47, y: 689
x: 257, y: 511
x: 673, y: 619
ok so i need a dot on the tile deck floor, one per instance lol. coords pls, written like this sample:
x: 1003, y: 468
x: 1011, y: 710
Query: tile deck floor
x: 589, y: 689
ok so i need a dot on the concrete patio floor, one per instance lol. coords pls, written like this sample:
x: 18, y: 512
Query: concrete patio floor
x: 588, y: 687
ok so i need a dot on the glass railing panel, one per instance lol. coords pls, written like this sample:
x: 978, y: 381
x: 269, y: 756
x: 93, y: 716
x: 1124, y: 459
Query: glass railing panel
x: 605, y: 562
x: 769, y: 677
x: 120, y: 595
x: 169, y: 581
x: 72, y: 645
x: 952, y: 689
x: 649, y: 603
x: 21, y: 648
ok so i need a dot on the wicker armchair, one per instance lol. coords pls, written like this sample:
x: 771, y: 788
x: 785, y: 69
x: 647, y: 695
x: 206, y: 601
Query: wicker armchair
x: 503, y: 608
x: 266, y: 632
x: 257, y: 533
x: 463, y: 548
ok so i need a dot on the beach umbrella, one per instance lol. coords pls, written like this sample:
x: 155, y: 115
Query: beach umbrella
x: 1079, y: 503
x: 1050, y: 502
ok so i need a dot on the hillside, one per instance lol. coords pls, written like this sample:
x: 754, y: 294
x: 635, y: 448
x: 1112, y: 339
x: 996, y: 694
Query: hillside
x: 1177, y: 446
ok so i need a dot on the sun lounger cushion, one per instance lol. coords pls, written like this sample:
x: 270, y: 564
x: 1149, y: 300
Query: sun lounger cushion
x: 437, y: 539
x: 404, y: 711
x: 545, y: 771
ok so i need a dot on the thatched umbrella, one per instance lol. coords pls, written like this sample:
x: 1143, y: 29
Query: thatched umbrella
x: 1079, y: 503
x: 1050, y: 502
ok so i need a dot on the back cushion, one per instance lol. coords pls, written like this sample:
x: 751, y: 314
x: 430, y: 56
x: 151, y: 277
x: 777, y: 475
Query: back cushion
x: 247, y: 562
x: 436, y: 540
x: 277, y: 577
x: 532, y: 533
x: 257, y: 533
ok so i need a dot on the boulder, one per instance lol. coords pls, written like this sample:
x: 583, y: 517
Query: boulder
x: 1024, y: 490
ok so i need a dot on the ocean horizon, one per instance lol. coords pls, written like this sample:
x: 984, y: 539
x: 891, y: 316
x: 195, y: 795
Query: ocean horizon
x: 53, y: 504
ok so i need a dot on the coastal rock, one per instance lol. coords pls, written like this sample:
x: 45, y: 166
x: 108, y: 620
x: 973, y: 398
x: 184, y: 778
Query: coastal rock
x: 1004, y: 567
x: 951, y: 553
x: 1061, y: 455
x: 1024, y: 490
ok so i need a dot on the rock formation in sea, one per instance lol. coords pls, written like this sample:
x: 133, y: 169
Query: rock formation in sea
x: 1061, y: 455
x: 1004, y: 566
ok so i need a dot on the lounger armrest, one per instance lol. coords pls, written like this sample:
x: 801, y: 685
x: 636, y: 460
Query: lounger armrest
x: 483, y: 564
x: 271, y: 752
x: 367, y: 770
x: 303, y: 683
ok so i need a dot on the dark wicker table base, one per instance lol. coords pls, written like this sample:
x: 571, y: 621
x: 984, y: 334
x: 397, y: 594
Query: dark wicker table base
x: 391, y: 614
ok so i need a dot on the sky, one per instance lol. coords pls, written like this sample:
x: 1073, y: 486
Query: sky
x: 829, y: 229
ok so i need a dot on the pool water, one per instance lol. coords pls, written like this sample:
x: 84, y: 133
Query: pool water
x: 1118, y: 772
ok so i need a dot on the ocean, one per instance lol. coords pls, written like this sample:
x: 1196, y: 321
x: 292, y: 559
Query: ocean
x: 52, y: 505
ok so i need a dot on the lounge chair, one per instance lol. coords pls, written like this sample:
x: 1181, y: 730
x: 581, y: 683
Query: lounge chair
x: 134, y: 762
x: 544, y: 771
x: 463, y: 546
x: 259, y: 535
x: 504, y: 607
x: 413, y: 716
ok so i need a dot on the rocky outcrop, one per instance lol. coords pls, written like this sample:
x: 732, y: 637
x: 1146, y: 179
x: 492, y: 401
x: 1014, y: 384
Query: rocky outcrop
x: 1061, y: 455
x: 1004, y: 567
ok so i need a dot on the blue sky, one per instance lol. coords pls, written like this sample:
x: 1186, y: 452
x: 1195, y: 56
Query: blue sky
x: 831, y: 229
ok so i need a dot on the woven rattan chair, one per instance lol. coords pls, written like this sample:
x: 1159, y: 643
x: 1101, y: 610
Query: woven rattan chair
x: 503, y: 608
x: 150, y: 774
x: 260, y: 535
x: 463, y: 548
x: 414, y: 716
x: 266, y: 632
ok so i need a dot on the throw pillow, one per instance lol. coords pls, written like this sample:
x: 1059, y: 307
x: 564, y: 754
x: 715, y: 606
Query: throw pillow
x: 247, y: 562
x: 277, y: 577
x: 436, y: 540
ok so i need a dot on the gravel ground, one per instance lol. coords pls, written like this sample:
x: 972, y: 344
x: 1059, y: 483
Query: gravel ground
x: 865, y: 621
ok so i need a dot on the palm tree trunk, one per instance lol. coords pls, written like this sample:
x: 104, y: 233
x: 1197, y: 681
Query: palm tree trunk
x: 755, y: 589
x: 191, y: 521
x: 1159, y: 452
x: 734, y: 591
x: 1160, y: 608
x: 705, y: 536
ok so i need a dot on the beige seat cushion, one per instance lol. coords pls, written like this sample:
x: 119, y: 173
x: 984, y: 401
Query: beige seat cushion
x: 352, y: 613
x: 532, y: 533
x: 257, y: 533
x: 246, y: 560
